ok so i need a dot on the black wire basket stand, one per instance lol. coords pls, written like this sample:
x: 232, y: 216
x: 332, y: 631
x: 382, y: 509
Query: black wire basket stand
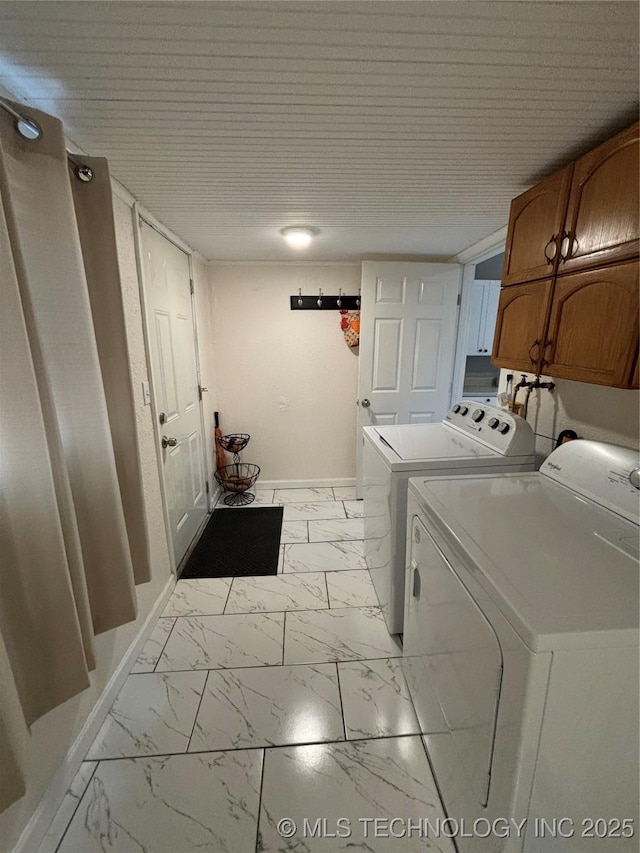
x: 234, y: 443
x: 238, y: 477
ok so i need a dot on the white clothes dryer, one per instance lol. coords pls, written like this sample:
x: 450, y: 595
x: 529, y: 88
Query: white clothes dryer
x: 521, y: 649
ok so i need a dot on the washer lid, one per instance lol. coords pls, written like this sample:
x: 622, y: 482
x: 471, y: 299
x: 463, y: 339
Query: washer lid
x: 431, y: 441
x: 563, y: 570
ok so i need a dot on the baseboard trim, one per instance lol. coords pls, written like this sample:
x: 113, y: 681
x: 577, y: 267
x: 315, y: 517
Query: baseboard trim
x: 216, y: 494
x: 40, y: 821
x: 338, y: 482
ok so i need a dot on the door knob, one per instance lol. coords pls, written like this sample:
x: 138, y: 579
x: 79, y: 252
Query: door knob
x: 365, y: 403
x: 168, y: 442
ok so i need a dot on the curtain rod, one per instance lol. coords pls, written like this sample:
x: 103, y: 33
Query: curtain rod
x: 30, y: 129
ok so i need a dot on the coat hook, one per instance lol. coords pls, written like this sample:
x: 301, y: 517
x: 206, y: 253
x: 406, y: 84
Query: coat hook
x: 300, y: 297
x: 339, y: 301
x: 319, y: 300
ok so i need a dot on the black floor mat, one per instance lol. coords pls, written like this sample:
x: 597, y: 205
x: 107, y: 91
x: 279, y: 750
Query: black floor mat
x: 237, y: 543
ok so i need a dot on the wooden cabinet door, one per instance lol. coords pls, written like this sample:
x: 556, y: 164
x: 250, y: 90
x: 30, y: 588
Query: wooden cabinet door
x: 602, y: 217
x: 593, y: 327
x: 535, y: 229
x: 522, y: 315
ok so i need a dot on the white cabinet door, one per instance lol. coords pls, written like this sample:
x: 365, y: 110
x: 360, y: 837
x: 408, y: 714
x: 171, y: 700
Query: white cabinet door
x: 408, y: 334
x: 474, y: 340
x: 174, y: 375
x: 482, y: 317
x: 491, y: 297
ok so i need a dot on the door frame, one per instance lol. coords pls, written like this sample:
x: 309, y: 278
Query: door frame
x: 468, y: 281
x: 139, y: 215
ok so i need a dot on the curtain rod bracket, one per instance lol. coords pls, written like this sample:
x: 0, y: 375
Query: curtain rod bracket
x: 29, y: 129
x: 84, y: 173
x: 26, y: 127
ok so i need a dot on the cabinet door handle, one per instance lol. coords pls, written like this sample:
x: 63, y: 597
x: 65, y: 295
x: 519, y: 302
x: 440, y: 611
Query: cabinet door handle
x: 565, y: 246
x: 552, y: 243
x: 533, y: 358
x: 545, y: 346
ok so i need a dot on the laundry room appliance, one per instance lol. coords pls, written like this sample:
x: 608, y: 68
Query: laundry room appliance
x: 472, y: 437
x: 521, y: 648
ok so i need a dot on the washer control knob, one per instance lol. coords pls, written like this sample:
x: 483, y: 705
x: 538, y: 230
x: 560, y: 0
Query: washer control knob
x: 464, y: 410
x: 456, y: 409
x: 493, y: 423
x: 478, y: 415
x: 504, y: 428
x: 634, y: 477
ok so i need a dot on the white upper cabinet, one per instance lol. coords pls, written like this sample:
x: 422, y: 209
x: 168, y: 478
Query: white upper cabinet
x: 482, y: 317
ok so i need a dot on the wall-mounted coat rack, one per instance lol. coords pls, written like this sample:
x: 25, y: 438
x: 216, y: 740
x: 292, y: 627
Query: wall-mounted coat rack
x: 322, y: 302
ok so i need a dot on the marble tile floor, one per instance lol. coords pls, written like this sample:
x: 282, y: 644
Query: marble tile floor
x: 257, y: 701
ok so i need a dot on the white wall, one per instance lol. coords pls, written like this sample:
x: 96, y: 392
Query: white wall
x: 42, y: 749
x: 285, y: 377
x: 593, y: 411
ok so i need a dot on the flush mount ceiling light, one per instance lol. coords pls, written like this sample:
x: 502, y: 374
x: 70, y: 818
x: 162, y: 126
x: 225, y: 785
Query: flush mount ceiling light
x: 298, y: 236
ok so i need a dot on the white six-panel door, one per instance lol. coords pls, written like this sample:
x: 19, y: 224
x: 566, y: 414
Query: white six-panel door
x: 408, y: 331
x: 174, y: 376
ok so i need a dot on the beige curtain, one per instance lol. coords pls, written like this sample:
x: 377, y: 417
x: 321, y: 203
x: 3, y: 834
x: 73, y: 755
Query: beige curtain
x: 98, y: 241
x: 66, y: 570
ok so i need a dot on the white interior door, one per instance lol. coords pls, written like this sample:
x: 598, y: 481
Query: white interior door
x: 408, y: 330
x: 175, y: 383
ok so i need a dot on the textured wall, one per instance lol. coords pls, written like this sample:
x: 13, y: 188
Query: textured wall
x: 42, y: 749
x: 286, y: 377
x: 593, y: 411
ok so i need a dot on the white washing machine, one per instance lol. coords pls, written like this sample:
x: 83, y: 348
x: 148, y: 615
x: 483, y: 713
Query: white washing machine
x: 472, y: 437
x: 521, y: 649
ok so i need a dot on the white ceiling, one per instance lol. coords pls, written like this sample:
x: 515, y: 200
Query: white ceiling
x: 393, y: 127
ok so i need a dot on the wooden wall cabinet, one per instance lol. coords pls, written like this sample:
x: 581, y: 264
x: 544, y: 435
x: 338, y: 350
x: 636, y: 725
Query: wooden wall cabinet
x: 535, y: 227
x: 568, y: 306
x: 582, y: 216
x: 601, y: 225
x: 593, y: 326
x: 521, y: 325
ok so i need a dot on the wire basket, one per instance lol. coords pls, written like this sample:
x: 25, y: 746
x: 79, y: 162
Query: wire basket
x: 237, y: 479
x: 235, y: 442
